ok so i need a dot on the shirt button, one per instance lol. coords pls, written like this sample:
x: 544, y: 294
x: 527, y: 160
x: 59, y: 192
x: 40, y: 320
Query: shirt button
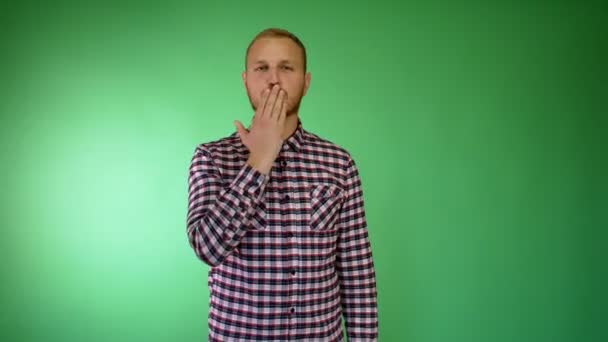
x: 285, y: 199
x: 292, y: 310
x: 289, y: 234
x: 283, y: 163
x: 293, y: 273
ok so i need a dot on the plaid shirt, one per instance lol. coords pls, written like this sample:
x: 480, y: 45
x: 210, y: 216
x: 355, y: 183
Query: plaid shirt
x: 289, y: 251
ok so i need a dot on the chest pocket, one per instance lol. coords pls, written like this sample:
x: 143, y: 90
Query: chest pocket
x: 325, y: 204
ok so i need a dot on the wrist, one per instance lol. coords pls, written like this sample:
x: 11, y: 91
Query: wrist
x: 263, y: 165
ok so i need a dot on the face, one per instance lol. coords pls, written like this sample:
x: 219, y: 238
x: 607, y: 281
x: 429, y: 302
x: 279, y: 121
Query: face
x: 276, y: 61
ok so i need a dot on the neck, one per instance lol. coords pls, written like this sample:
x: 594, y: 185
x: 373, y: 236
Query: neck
x: 291, y: 123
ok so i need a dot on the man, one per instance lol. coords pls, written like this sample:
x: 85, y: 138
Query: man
x: 277, y: 212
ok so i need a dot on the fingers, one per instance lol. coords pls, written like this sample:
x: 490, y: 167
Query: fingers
x: 283, y: 112
x: 272, y: 101
x: 260, y: 111
x: 279, y: 103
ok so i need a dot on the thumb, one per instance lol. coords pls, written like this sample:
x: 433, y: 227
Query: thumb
x: 240, y: 129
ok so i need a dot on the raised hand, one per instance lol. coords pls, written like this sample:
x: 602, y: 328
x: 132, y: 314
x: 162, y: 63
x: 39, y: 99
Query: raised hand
x: 263, y: 138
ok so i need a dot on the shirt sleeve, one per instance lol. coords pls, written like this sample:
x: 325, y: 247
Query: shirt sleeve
x: 355, y: 265
x: 219, y: 216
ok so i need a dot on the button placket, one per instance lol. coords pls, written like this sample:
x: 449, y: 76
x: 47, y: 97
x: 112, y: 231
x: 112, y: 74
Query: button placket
x: 291, y: 271
x: 293, y: 276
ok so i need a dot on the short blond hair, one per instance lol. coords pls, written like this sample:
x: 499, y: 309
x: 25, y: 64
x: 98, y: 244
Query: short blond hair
x: 274, y: 32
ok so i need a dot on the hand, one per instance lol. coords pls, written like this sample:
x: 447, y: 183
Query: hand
x: 263, y: 138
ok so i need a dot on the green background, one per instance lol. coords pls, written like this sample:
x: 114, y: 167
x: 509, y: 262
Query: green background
x: 479, y: 130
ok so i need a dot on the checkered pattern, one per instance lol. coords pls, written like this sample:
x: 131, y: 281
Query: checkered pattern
x: 289, y: 251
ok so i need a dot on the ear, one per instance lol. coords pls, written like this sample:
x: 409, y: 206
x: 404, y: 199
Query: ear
x: 307, y: 78
x: 244, y: 77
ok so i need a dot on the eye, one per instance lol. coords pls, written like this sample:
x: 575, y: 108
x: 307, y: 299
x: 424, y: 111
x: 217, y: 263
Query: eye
x: 287, y: 67
x: 263, y: 67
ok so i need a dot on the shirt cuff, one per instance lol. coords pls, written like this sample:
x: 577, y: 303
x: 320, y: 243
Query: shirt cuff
x: 251, y: 181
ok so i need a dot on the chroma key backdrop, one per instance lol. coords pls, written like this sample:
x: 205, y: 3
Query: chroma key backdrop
x: 479, y: 129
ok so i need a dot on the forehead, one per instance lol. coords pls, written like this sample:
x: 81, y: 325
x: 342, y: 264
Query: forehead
x: 274, y: 50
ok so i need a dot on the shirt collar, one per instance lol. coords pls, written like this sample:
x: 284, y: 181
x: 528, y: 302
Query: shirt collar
x: 296, y: 139
x: 293, y: 142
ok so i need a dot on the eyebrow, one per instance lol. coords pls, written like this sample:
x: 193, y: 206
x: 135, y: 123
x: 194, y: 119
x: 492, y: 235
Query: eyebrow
x: 280, y: 62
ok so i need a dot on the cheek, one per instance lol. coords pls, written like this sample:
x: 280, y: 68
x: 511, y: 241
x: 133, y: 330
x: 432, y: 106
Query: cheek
x: 254, y: 86
x: 293, y: 92
x: 255, y: 92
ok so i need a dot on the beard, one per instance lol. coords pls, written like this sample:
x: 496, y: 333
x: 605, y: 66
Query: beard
x: 291, y: 108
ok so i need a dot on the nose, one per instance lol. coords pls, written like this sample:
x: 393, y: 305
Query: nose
x: 273, y: 78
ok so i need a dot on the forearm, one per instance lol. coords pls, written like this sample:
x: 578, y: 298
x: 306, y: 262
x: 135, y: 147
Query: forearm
x: 218, y: 218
